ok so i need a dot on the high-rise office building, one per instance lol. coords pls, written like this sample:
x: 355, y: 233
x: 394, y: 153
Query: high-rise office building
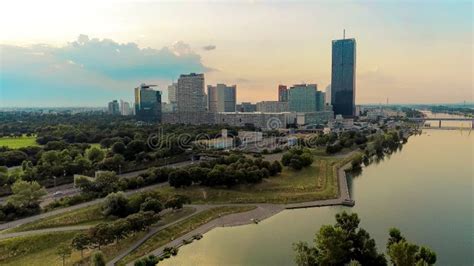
x: 221, y: 98
x: 246, y: 107
x: 147, y: 103
x: 305, y: 98
x: 125, y: 108
x: 172, y: 92
x: 272, y: 107
x: 328, y: 94
x: 114, y: 108
x: 343, y: 83
x: 190, y: 96
x: 320, y: 100
x: 282, y: 93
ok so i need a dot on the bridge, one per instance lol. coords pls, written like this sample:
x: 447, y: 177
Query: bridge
x: 439, y: 119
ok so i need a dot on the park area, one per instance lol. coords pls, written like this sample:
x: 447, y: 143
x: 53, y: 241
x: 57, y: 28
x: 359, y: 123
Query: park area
x: 18, y: 142
x: 315, y: 182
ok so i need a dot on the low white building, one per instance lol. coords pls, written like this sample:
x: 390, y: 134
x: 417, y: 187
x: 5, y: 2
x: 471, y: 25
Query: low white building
x: 247, y: 137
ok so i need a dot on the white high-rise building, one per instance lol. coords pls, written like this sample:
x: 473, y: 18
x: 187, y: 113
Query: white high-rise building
x: 328, y: 94
x: 221, y: 98
x: 190, y: 95
x: 172, y: 92
x: 125, y: 108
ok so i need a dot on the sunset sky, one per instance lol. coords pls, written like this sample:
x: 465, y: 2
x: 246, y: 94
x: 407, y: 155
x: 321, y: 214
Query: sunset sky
x: 86, y: 53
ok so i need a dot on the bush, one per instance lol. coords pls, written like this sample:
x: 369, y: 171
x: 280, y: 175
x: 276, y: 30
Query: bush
x: 180, y: 178
x: 98, y: 259
x: 115, y: 204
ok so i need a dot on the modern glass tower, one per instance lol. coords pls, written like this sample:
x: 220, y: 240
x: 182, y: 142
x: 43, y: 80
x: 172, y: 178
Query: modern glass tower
x: 343, y: 83
x: 147, y: 103
x: 305, y: 98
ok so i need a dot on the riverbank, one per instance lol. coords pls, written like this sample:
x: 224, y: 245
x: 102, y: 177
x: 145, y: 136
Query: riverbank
x: 260, y: 213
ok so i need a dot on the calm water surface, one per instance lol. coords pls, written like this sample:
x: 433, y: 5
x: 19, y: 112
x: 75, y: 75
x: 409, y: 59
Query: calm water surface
x: 425, y: 190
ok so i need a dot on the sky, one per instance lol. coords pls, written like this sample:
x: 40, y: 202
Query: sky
x: 86, y: 53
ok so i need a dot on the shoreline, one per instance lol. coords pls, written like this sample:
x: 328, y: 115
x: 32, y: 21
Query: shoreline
x: 261, y: 212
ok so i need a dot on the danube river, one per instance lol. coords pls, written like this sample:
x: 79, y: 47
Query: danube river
x: 426, y: 190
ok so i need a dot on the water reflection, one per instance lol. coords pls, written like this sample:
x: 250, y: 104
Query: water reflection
x: 425, y: 190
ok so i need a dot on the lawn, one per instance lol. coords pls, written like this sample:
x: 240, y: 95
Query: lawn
x: 164, y: 236
x: 40, y: 249
x: 18, y: 142
x: 35, y: 249
x: 88, y: 215
x: 316, y: 182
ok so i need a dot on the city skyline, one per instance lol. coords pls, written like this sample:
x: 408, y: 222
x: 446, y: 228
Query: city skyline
x: 394, y: 55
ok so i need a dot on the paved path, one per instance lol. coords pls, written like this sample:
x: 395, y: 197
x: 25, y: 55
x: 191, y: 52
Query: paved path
x: 153, y: 231
x: 46, y: 230
x: 89, y: 203
x: 261, y: 212
x: 70, y: 190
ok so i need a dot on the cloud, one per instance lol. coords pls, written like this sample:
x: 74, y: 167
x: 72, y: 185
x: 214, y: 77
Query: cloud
x: 88, y: 66
x: 209, y: 47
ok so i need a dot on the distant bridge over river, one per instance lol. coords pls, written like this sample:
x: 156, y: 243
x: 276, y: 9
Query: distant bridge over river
x: 440, y: 119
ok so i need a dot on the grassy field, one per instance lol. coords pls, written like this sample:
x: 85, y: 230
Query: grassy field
x: 88, y: 215
x: 316, y: 182
x: 40, y: 249
x: 18, y: 142
x: 179, y: 229
x: 35, y: 250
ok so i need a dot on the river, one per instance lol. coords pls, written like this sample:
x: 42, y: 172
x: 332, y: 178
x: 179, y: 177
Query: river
x: 425, y: 190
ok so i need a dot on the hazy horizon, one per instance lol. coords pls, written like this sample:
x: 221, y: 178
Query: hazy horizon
x: 87, y: 54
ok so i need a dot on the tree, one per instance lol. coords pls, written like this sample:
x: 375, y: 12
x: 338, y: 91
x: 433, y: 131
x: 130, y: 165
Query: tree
x: 98, y: 259
x: 120, y: 229
x: 115, y: 204
x: 339, y: 244
x: 26, y: 194
x: 151, y: 260
x: 426, y: 255
x: 119, y: 148
x: 296, y: 163
x: 402, y: 253
x: 177, y: 202
x: 12, y: 158
x: 306, y: 159
x: 151, y: 204
x: 275, y: 168
x: 101, y: 235
x: 305, y: 255
x: 179, y: 178
x: 64, y: 251
x: 95, y: 154
x: 80, y: 242
x: 106, y: 183
x: 395, y: 236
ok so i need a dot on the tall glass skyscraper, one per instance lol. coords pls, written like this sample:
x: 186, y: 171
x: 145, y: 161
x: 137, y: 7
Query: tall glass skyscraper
x: 343, y: 84
x: 305, y: 98
x: 147, y: 103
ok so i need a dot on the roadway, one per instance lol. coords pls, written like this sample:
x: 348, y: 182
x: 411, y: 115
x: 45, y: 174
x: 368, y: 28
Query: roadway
x: 70, y: 190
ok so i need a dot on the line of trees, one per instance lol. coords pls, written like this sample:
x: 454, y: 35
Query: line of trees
x: 130, y: 215
x: 226, y: 171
